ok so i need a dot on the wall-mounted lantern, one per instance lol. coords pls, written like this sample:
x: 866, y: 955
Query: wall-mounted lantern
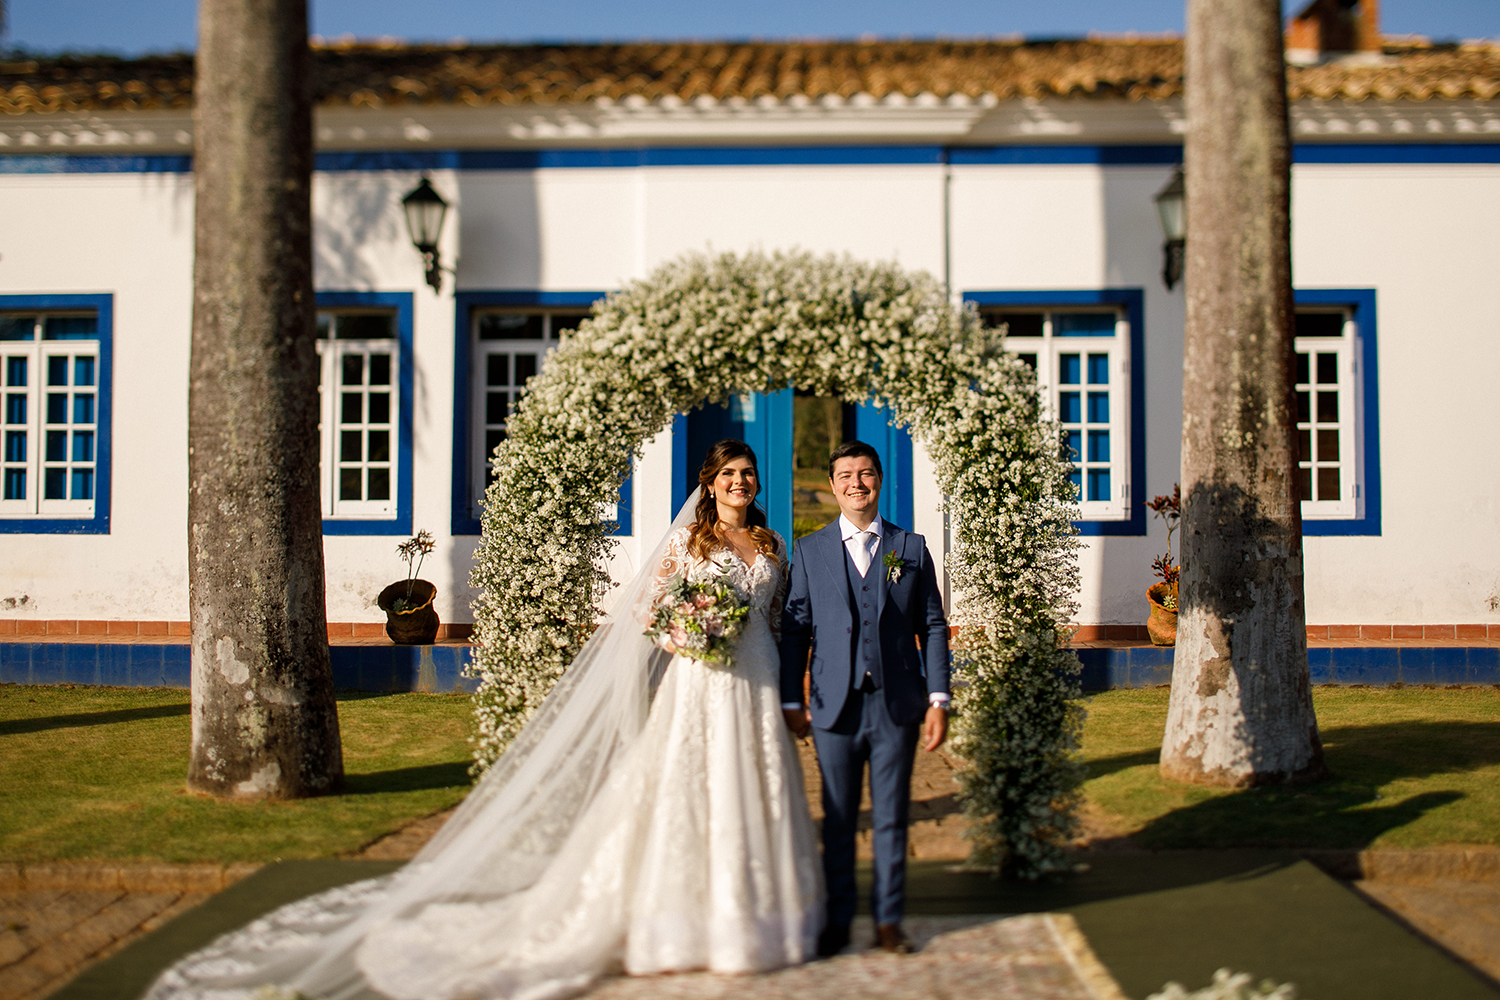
x: 425, y: 211
x: 1171, y: 205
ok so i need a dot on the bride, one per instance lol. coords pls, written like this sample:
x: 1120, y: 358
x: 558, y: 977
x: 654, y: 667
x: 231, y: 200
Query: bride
x: 650, y: 818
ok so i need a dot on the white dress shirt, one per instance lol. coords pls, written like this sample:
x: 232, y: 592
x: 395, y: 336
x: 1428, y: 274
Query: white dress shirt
x: 871, y: 542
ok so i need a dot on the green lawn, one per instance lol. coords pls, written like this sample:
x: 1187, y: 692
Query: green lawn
x: 1411, y: 767
x: 98, y: 773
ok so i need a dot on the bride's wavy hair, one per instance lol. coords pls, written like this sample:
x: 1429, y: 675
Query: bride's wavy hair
x: 705, y: 536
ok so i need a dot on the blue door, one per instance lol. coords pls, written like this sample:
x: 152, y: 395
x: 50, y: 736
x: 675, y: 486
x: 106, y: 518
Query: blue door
x: 762, y: 421
x: 893, y: 445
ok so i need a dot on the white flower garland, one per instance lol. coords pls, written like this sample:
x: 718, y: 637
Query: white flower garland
x: 701, y: 328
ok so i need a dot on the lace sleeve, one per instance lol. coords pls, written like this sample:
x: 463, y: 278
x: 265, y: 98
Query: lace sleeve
x: 674, y: 561
x: 778, y: 601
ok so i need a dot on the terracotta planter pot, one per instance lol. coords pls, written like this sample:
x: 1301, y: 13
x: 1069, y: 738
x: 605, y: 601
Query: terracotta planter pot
x: 415, y: 625
x: 1162, y: 625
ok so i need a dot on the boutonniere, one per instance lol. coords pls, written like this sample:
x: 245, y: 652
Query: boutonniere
x: 893, y: 567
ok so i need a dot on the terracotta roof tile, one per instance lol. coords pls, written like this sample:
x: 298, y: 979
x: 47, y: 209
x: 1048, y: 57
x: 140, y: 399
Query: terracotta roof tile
x: 380, y: 75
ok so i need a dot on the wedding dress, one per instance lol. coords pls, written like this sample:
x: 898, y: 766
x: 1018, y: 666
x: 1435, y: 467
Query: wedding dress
x: 625, y: 830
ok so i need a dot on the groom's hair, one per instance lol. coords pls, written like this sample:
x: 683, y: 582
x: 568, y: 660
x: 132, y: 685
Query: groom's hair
x: 855, y: 449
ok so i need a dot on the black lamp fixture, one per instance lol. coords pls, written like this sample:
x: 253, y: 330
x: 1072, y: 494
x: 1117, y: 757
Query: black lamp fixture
x: 425, y: 211
x: 1171, y: 205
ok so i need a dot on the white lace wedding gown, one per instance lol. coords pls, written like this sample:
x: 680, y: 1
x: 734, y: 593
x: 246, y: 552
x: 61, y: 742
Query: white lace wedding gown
x: 696, y: 852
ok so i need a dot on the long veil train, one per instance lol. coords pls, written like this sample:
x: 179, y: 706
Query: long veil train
x: 499, y: 842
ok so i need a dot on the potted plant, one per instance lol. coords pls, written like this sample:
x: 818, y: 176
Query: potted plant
x: 410, y: 619
x: 1162, y: 625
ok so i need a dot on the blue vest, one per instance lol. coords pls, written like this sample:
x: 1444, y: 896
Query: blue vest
x: 866, y: 646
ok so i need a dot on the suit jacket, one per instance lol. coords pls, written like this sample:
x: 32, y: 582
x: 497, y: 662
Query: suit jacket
x: 820, y: 616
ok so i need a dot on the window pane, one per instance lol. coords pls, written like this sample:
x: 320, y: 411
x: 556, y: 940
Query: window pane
x: 83, y: 408
x: 380, y: 446
x: 55, y: 484
x: 57, y: 408
x: 1098, y: 407
x: 497, y: 369
x: 492, y: 441
x: 1099, y: 484
x: 1029, y: 360
x: 1328, y: 445
x: 380, y: 484
x: 510, y: 326
x: 1020, y: 324
x: 352, y: 411
x: 354, y: 369
x: 15, y: 484
x: 1068, y: 369
x: 1328, y: 369
x: 1304, y: 484
x: 379, y: 326
x: 57, y: 370
x: 566, y: 322
x: 83, y: 484
x: 15, y: 409
x: 1304, y: 446
x: 1328, y: 407
x: 1099, y: 369
x: 83, y: 446
x: 1083, y: 324
x: 1320, y: 325
x: 1304, y: 372
x: 380, y: 407
x: 17, y: 328
x: 1098, y: 446
x: 325, y: 326
x: 57, y: 446
x: 1328, y: 484
x: 350, y: 483
x: 1076, y: 478
x: 70, y: 328
x: 15, y: 446
x: 15, y: 371
x: 496, y: 407
x: 83, y: 371
x: 351, y: 444
x: 525, y: 368
x: 1304, y: 408
x: 1073, y: 446
x: 380, y: 369
x: 1069, y: 408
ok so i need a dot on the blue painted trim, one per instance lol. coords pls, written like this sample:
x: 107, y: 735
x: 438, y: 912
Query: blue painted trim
x: 464, y: 304
x: 417, y: 160
x: 680, y: 479
x: 1361, y: 302
x: 1150, y: 666
x: 401, y: 302
x: 872, y: 425
x: 104, y: 307
x: 1133, y: 300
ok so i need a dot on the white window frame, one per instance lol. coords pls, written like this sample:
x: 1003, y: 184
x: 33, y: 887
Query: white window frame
x: 1049, y: 349
x: 1346, y: 350
x: 331, y: 352
x: 479, y: 388
x: 36, y: 427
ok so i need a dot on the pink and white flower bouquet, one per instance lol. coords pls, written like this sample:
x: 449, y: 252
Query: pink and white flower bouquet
x: 701, y: 618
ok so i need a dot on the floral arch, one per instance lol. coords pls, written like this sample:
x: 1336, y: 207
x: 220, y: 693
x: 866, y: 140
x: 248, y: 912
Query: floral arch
x: 700, y: 328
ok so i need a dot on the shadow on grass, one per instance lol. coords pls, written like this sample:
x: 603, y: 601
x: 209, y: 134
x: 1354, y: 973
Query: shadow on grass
x: 409, y: 779
x: 13, y: 727
x: 1109, y: 765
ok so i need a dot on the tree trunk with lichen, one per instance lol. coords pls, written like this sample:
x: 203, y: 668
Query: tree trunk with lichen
x: 1241, y: 708
x: 265, y: 724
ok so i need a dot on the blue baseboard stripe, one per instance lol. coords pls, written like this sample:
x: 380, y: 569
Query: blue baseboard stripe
x: 1378, y: 666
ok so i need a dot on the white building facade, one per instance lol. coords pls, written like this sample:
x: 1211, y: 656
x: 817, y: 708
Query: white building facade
x: 1036, y: 208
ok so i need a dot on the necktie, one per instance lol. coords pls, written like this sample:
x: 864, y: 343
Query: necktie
x: 862, y: 552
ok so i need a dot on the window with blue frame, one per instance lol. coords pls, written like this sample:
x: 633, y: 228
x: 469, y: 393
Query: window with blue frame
x: 1082, y: 359
x: 54, y: 413
x: 364, y: 348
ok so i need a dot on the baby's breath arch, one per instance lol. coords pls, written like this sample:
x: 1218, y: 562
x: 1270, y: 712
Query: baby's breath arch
x: 703, y: 327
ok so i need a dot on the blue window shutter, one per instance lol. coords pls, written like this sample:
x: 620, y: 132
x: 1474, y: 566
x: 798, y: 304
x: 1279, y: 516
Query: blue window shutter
x: 893, y: 444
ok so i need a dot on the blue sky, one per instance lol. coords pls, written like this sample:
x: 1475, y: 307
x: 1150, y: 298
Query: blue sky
x: 137, y: 26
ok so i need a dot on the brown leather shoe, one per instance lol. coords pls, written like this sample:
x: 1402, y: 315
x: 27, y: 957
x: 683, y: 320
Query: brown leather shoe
x: 891, y: 938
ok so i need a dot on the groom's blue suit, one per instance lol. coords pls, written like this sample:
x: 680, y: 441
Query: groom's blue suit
x: 869, y: 693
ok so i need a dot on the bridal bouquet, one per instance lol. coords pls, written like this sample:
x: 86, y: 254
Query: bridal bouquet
x: 700, y: 617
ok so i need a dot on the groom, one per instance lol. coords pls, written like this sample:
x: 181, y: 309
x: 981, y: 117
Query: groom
x: 862, y: 593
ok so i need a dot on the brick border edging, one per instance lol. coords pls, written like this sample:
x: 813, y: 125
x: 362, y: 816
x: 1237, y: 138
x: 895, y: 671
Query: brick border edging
x: 124, y: 876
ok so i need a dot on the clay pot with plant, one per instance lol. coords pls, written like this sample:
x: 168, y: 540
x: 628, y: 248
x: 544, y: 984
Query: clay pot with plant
x: 1162, y: 625
x: 410, y: 618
